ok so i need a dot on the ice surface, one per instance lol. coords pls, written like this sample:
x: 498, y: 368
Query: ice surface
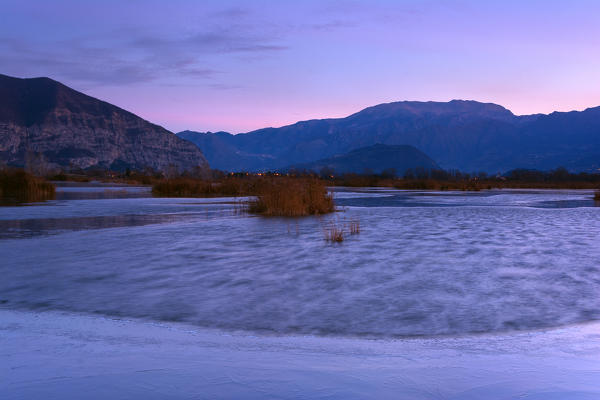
x: 268, y: 309
x: 63, y: 356
x: 482, y: 262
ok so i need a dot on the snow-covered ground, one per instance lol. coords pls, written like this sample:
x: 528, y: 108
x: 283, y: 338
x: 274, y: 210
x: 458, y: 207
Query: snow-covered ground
x: 53, y: 355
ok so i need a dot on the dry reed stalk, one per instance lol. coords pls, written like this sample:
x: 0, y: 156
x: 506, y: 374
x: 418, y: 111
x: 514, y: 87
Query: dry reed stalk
x: 354, y: 227
x: 19, y: 186
x: 334, y: 234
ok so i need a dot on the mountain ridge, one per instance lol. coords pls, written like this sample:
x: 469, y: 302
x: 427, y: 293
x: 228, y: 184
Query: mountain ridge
x: 70, y: 129
x: 459, y: 134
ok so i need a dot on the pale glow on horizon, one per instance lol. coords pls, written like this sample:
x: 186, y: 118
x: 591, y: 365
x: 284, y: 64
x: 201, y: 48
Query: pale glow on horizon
x: 234, y: 66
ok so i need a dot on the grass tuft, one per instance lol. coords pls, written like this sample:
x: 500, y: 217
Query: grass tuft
x: 336, y: 231
x: 334, y: 234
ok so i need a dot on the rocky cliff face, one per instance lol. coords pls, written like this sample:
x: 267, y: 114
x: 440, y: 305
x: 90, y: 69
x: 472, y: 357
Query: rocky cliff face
x: 70, y: 129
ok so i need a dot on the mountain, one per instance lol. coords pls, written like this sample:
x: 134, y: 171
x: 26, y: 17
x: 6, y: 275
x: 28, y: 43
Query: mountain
x: 377, y: 159
x: 223, y: 154
x: 465, y: 135
x: 68, y: 128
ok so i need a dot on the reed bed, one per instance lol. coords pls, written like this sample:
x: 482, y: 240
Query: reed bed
x: 18, y: 186
x: 190, y: 187
x: 597, y: 195
x: 275, y: 195
x: 291, y: 197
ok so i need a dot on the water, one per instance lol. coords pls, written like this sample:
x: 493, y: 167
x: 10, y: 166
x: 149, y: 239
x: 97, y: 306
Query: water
x: 423, y: 264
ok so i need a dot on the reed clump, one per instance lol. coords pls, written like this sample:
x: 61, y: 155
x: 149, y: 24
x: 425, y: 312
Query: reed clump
x: 336, y: 231
x: 18, y: 186
x: 334, y: 234
x: 291, y: 197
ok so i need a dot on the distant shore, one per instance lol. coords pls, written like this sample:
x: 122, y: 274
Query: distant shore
x: 291, y: 194
x: 463, y: 182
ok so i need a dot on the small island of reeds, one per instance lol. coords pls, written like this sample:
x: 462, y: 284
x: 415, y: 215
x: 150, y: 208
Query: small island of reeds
x: 291, y: 197
x: 275, y: 195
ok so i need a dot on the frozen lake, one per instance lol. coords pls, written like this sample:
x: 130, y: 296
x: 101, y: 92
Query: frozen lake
x: 446, y: 295
x: 63, y: 356
x: 424, y: 263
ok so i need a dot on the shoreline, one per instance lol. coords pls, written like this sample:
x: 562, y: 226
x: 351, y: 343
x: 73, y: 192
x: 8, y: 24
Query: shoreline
x: 129, y: 359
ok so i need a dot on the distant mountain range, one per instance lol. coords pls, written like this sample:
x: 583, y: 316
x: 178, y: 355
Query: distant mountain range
x: 376, y: 159
x: 67, y: 129
x: 465, y: 135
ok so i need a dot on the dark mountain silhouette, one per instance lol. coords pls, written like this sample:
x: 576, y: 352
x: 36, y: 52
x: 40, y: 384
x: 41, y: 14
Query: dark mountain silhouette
x: 465, y: 135
x: 68, y: 128
x: 376, y: 159
x: 220, y: 148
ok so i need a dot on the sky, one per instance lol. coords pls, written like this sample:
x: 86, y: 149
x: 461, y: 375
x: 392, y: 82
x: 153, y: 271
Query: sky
x: 241, y: 65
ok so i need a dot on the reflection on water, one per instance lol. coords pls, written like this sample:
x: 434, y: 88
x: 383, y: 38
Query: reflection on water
x: 423, y: 264
x: 83, y: 191
x: 99, y: 191
x: 24, y: 228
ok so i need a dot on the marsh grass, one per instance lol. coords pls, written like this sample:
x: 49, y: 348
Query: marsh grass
x: 18, y: 186
x: 336, y: 231
x: 354, y: 227
x: 280, y: 196
x: 190, y: 187
x: 291, y: 197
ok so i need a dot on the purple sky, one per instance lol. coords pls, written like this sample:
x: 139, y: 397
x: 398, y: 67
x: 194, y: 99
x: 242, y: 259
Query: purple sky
x: 242, y: 65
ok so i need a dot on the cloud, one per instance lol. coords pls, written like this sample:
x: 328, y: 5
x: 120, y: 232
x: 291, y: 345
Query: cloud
x: 130, y: 55
x: 125, y: 50
x: 231, y: 12
x: 209, y: 42
x: 334, y: 25
x: 223, y: 86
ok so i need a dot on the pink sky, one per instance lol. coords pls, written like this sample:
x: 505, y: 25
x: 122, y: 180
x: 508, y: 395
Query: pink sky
x: 238, y: 66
